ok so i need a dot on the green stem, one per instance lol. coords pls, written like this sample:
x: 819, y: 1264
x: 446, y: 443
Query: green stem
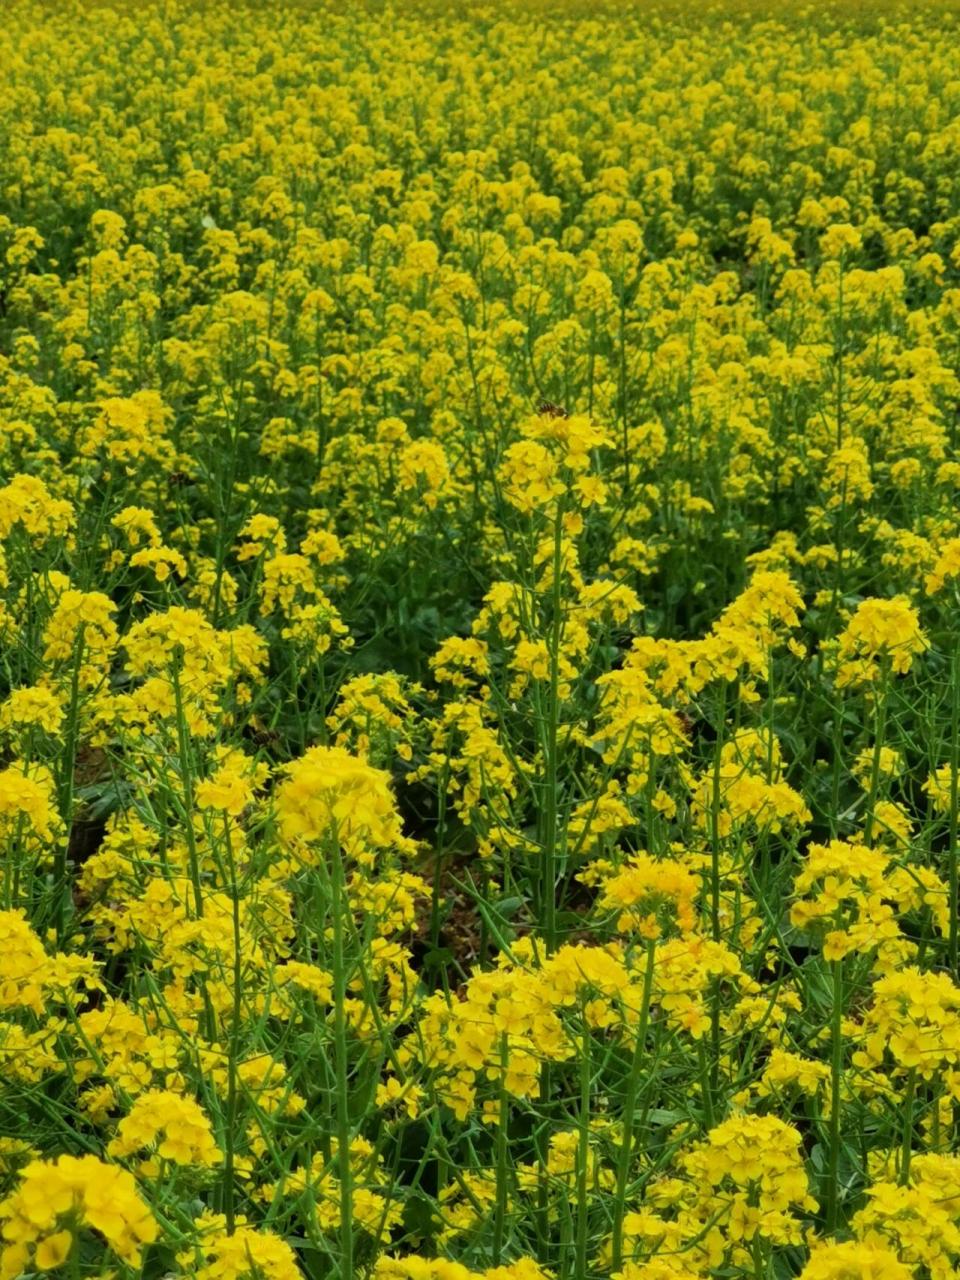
x: 500, y: 1211
x: 230, y: 1135
x: 338, y: 906
x: 442, y: 784
x: 706, y: 1087
x: 879, y: 729
x: 836, y: 1076
x: 543, y: 1184
x: 583, y: 1151
x: 629, y: 1109
x: 906, y: 1146
x: 61, y: 886
x: 715, y: 801
x: 551, y: 816
x: 186, y: 779
x: 952, y: 854
x: 715, y: 928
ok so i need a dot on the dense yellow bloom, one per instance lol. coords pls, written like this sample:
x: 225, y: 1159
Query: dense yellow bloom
x: 35, y: 705
x: 645, y: 890
x: 29, y: 976
x: 946, y: 568
x: 850, y: 893
x: 82, y: 623
x: 529, y: 475
x: 915, y: 1017
x: 23, y: 963
x: 854, y: 1260
x: 913, y: 1222
x: 80, y: 1192
x: 227, y: 790
x: 330, y: 794
x: 26, y: 503
x: 880, y: 633
x: 242, y: 1254
x: 27, y: 800
x: 175, y: 1125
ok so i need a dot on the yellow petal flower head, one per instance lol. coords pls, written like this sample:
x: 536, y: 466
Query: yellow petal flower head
x: 882, y: 634
x: 176, y: 1124
x: 330, y: 794
x: 854, y: 1260
x: 83, y: 1191
x: 649, y: 892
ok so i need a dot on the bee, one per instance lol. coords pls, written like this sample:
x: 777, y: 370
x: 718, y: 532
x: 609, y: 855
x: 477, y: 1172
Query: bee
x: 547, y: 409
x: 261, y: 736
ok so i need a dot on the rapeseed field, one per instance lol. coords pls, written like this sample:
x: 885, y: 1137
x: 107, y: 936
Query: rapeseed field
x: 479, y: 641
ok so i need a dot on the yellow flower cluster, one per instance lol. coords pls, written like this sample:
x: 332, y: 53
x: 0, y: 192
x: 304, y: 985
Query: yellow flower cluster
x: 54, y: 1199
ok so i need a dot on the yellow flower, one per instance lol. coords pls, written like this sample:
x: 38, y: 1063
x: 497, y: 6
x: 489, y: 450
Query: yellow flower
x: 227, y: 791
x: 648, y: 892
x: 330, y: 794
x: 854, y: 1260
x: 881, y: 633
x: 172, y: 1124
x: 87, y: 1192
